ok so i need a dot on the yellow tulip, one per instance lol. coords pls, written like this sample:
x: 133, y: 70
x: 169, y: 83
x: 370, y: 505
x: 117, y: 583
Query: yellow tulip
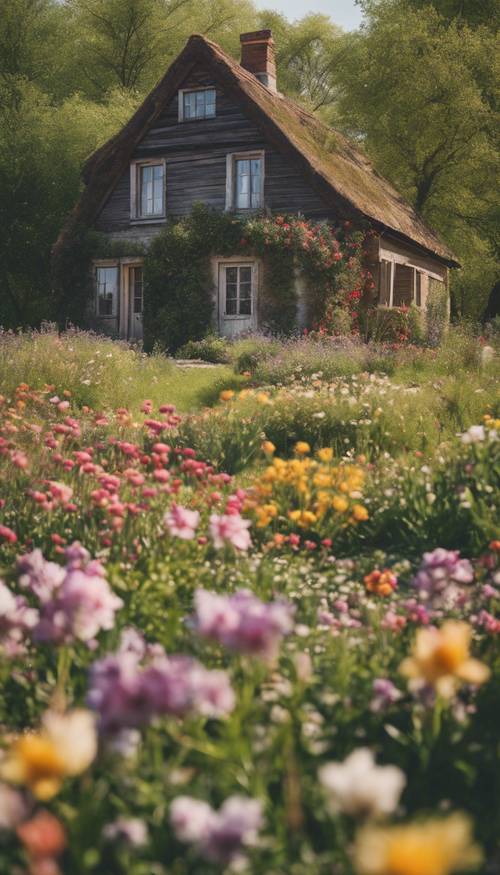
x: 65, y: 745
x: 340, y: 504
x: 432, y: 847
x: 325, y: 454
x: 302, y: 448
x: 441, y: 658
x: 268, y: 448
x: 359, y: 513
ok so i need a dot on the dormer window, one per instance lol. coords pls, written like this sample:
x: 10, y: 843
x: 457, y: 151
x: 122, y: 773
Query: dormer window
x: 147, y: 190
x: 196, y: 104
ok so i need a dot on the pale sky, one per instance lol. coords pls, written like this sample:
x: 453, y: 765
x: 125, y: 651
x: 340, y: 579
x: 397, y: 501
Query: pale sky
x: 343, y: 12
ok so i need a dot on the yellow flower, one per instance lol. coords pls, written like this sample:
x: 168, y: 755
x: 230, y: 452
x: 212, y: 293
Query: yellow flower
x: 226, y: 395
x: 432, y: 847
x: 302, y: 448
x: 65, y: 745
x: 325, y: 454
x: 340, y: 504
x: 359, y: 513
x: 268, y: 447
x: 303, y: 518
x: 263, y: 398
x: 441, y: 658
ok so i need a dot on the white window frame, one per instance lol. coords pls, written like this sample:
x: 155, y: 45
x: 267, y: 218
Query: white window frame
x: 183, y: 91
x: 135, y: 169
x: 417, y: 270
x: 231, y: 160
x: 105, y: 263
x: 223, y: 267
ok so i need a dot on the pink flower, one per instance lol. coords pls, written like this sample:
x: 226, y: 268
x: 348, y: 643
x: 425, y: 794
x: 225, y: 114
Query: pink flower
x: 181, y: 522
x: 16, y: 619
x: 8, y: 535
x: 231, y: 529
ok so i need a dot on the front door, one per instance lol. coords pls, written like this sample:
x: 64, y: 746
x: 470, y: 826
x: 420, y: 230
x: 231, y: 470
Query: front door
x: 135, y: 287
x: 237, y: 297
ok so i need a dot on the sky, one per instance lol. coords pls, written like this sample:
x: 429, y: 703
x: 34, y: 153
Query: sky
x: 343, y: 12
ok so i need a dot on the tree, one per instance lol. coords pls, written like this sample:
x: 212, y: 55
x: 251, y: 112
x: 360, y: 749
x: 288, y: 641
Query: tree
x: 418, y: 92
x: 42, y: 147
x: 306, y: 57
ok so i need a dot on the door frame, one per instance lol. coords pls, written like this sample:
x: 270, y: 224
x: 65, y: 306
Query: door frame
x: 218, y: 264
x: 125, y: 297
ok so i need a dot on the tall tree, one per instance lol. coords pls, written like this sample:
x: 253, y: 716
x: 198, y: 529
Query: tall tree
x: 418, y: 92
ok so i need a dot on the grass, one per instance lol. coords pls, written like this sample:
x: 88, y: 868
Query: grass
x: 101, y: 373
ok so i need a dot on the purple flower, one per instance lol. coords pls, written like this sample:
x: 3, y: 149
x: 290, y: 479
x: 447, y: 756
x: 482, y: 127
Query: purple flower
x: 83, y: 605
x: 129, y: 830
x: 39, y: 576
x: 219, y: 836
x: 128, y: 694
x: 242, y: 622
x: 442, y: 576
x: 385, y: 693
x: 182, y: 522
x: 16, y: 620
x: 230, y: 529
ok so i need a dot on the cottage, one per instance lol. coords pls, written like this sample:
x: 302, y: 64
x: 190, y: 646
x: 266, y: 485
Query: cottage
x: 220, y: 132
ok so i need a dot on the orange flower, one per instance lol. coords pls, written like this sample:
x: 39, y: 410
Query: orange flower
x: 381, y: 582
x: 42, y: 836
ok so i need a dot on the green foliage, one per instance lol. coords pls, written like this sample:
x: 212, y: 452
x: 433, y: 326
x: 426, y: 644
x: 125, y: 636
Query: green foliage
x: 436, y: 312
x: 179, y: 291
x: 211, y: 348
x: 418, y: 90
x: 97, y: 371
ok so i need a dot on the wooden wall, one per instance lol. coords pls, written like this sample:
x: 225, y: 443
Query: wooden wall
x: 195, y: 154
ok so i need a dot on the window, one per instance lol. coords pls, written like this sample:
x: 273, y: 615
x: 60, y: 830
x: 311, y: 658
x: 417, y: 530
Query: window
x: 107, y: 291
x: 403, y: 286
x: 147, y: 190
x: 197, y: 104
x: 136, y: 290
x: 400, y: 285
x: 245, y: 182
x: 238, y: 290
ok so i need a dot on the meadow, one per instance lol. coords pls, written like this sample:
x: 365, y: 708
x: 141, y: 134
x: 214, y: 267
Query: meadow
x: 249, y: 612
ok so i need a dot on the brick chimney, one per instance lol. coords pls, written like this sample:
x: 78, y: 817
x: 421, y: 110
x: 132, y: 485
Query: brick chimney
x: 257, y: 56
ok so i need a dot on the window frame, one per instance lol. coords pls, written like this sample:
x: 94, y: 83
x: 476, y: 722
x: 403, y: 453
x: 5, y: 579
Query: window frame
x: 199, y: 118
x: 135, y: 191
x: 252, y: 267
x: 103, y: 264
x: 231, y: 178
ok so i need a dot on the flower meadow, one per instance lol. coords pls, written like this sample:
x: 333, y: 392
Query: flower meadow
x: 262, y: 637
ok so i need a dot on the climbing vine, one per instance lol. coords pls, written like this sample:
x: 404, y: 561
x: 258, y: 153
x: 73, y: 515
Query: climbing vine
x: 179, y: 286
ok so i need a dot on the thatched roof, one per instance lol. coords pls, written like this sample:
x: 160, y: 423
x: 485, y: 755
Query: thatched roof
x: 336, y: 169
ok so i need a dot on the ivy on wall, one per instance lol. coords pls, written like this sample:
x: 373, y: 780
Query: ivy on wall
x: 178, y: 300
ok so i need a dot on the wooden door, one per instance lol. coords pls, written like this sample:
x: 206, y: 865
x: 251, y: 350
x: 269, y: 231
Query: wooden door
x: 135, y: 302
x: 237, y: 298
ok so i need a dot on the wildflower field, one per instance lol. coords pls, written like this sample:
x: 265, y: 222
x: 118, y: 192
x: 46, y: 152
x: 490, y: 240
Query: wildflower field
x: 249, y: 614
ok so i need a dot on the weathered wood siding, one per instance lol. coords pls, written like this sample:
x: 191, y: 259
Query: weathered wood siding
x: 195, y: 154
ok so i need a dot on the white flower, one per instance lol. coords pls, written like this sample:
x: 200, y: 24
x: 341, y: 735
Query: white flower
x: 74, y: 737
x: 474, y: 435
x: 361, y: 788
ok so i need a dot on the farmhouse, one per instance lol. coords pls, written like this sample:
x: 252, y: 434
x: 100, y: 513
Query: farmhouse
x: 219, y: 132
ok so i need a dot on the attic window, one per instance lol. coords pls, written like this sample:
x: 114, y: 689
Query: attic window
x: 147, y: 190
x: 196, y: 104
x: 245, y: 181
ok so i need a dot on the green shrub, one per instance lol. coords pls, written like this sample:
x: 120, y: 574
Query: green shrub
x: 436, y: 312
x: 210, y: 349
